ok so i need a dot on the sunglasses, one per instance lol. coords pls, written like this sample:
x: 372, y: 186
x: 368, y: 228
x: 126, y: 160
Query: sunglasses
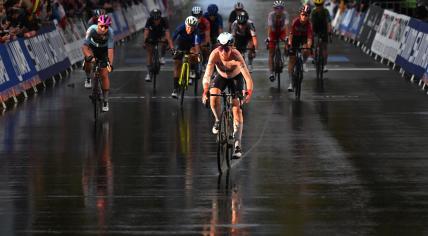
x: 225, y: 49
x: 278, y: 8
x: 104, y: 27
x: 305, y: 15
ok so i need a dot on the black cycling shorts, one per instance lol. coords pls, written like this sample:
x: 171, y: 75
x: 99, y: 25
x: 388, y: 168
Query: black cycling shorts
x: 235, y: 84
x: 101, y: 54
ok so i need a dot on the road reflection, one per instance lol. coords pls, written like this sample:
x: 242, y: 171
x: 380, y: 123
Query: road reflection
x: 98, y: 176
x: 226, y: 209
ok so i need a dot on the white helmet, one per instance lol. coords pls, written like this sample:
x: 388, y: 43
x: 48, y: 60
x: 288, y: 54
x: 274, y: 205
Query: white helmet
x: 239, y: 6
x: 278, y: 3
x: 196, y: 10
x: 225, y: 39
x: 191, y: 21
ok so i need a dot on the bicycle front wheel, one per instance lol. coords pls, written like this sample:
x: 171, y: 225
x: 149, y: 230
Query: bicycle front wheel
x: 223, y: 161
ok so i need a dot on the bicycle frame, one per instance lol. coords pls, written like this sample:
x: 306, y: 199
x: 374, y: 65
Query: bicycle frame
x: 298, y: 72
x: 96, y: 89
x: 277, y: 62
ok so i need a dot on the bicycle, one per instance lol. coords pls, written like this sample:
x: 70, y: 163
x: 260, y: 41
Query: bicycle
x: 183, y: 81
x: 319, y: 58
x: 298, y: 70
x: 96, y: 89
x: 155, y: 69
x: 278, y: 63
x: 225, y: 137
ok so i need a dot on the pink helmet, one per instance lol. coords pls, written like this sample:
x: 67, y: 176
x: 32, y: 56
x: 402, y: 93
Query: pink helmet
x: 104, y: 20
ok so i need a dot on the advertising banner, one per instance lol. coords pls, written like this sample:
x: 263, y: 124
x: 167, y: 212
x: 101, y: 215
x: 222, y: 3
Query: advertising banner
x: 47, y: 52
x: 356, y: 24
x: 370, y: 25
x: 387, y: 40
x: 412, y: 55
x: 345, y: 24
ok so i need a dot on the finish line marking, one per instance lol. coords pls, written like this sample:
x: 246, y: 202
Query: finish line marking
x: 170, y: 69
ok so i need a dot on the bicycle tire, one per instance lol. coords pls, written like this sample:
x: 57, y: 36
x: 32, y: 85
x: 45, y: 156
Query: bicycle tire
x: 156, y: 66
x: 96, y: 101
x: 277, y: 65
x: 299, y: 82
x: 222, y: 149
x: 183, y: 84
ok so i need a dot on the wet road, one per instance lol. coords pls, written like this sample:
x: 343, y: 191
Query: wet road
x: 349, y: 159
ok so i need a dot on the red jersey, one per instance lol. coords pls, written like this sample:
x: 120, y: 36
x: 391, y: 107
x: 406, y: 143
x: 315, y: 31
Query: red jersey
x: 300, y: 29
x: 204, y: 25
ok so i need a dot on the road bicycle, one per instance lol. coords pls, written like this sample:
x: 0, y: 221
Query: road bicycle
x: 96, y: 95
x: 278, y: 63
x: 225, y: 139
x: 184, y: 79
x: 156, y: 65
x: 297, y: 75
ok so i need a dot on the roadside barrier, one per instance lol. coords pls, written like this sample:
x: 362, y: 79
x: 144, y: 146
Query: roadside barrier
x: 54, y: 52
x: 395, y: 39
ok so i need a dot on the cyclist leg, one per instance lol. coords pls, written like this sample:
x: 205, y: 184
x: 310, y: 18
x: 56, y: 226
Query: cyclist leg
x: 291, y: 63
x: 178, y: 61
x: 87, y: 66
x: 163, y: 50
x: 149, y: 48
x: 238, y: 119
x: 218, y: 84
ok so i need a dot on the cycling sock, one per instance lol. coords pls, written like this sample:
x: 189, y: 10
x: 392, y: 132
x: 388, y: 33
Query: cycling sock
x: 237, y: 133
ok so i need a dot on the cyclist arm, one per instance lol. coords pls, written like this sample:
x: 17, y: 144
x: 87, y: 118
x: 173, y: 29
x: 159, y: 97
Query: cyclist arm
x: 86, y: 42
x: 253, y: 35
x: 168, y: 38
x: 310, y: 35
x: 247, y: 76
x: 110, y: 45
x: 146, y: 34
x: 208, y: 73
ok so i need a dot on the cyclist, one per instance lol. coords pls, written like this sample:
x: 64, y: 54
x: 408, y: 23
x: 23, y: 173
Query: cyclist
x: 203, y: 30
x: 278, y: 21
x: 321, y: 23
x: 99, y: 44
x: 216, y: 22
x: 239, y: 7
x: 300, y: 35
x: 187, y: 39
x: 244, y: 33
x: 156, y: 29
x: 95, y: 14
x: 231, y: 70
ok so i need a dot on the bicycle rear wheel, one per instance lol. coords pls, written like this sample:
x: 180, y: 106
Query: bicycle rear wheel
x: 277, y: 66
x: 223, y: 161
x: 96, y: 99
x: 297, y: 81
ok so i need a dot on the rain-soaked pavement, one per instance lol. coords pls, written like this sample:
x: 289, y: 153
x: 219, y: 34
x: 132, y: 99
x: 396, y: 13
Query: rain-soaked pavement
x: 349, y: 159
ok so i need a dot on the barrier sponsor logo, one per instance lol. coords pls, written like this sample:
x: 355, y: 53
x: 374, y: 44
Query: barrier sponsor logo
x: 369, y: 26
x: 19, y: 62
x: 413, y: 53
x: 387, y: 41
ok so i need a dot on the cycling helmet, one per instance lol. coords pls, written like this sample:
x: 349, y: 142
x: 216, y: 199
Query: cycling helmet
x: 306, y: 9
x: 104, y: 20
x: 279, y: 4
x: 225, y: 39
x: 318, y: 2
x: 155, y: 14
x: 196, y: 11
x: 99, y: 12
x: 191, y: 21
x: 242, y: 18
x: 239, y: 6
x: 212, y: 9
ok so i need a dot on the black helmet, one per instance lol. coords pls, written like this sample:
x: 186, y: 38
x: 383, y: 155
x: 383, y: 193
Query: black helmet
x: 242, y: 18
x: 156, y: 14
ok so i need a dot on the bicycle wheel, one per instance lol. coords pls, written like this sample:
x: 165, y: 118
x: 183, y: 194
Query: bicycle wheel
x: 296, y: 78
x: 184, y: 81
x: 230, y: 139
x: 96, y: 100
x: 222, y: 145
x: 156, y: 66
x: 299, y: 81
